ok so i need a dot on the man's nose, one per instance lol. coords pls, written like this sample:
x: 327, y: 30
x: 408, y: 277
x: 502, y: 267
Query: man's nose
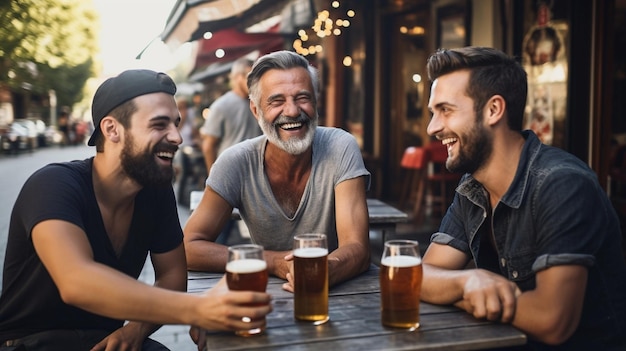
x: 174, y: 135
x: 291, y: 109
x: 434, y: 126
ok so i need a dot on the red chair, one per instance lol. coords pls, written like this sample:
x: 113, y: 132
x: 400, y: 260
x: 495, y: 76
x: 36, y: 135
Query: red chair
x: 414, y: 162
x: 439, y: 177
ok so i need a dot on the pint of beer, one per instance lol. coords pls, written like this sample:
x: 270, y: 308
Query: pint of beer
x: 246, y: 270
x: 400, y: 284
x: 310, y: 266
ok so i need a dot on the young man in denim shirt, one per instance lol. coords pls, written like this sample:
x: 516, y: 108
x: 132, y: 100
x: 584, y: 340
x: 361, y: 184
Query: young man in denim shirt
x: 533, y: 219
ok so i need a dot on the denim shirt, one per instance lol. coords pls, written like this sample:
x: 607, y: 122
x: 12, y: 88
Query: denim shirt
x: 554, y: 213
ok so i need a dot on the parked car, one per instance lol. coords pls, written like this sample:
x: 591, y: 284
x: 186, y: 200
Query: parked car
x: 15, y: 139
x: 31, y: 131
x: 41, y: 131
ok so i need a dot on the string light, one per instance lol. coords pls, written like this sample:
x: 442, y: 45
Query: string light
x: 323, y: 26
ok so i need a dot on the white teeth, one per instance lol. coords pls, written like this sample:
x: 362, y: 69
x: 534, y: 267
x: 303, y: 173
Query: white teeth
x: 165, y: 154
x: 291, y: 125
x: 447, y: 141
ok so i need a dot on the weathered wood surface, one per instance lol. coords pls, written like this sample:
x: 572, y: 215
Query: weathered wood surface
x: 354, y: 308
x: 380, y: 212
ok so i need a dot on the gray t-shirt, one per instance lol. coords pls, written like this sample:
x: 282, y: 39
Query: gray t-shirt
x: 231, y: 120
x: 239, y: 177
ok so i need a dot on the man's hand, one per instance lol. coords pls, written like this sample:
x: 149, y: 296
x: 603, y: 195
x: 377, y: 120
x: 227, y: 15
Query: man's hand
x: 221, y: 309
x: 128, y: 338
x: 491, y: 296
x: 288, y: 286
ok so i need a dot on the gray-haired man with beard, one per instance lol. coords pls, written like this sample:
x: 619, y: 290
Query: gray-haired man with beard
x: 296, y: 178
x: 80, y: 232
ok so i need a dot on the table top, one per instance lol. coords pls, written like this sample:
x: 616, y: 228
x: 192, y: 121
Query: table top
x: 354, y: 309
x: 379, y: 212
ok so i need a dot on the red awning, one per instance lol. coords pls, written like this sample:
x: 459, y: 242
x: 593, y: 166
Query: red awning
x: 235, y: 45
x: 190, y: 19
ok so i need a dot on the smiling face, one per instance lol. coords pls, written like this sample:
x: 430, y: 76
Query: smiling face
x: 455, y: 122
x: 152, y: 140
x: 287, y: 113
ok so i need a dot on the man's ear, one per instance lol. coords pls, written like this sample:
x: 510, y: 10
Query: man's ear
x: 254, y: 109
x: 494, y: 109
x: 111, y: 129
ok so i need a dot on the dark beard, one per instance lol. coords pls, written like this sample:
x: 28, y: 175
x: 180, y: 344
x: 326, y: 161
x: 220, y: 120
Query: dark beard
x: 143, y: 168
x: 477, y: 148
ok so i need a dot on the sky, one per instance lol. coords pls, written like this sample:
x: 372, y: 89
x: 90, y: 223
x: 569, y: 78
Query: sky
x: 127, y: 27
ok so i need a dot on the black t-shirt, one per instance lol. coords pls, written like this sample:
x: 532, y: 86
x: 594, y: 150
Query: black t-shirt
x: 30, y: 302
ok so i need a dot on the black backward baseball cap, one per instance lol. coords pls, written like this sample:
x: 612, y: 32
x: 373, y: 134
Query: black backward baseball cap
x: 127, y: 85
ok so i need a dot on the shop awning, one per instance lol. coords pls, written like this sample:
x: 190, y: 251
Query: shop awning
x: 211, y: 71
x: 190, y: 19
x: 230, y: 44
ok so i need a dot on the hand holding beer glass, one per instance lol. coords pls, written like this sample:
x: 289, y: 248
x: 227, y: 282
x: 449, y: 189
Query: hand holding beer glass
x: 310, y: 267
x: 401, y: 284
x: 246, y: 270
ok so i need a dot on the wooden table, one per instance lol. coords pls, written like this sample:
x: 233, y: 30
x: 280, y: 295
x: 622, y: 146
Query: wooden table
x: 354, y: 308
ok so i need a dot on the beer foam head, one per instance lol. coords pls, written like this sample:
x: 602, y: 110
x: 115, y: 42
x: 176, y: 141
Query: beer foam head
x: 249, y: 265
x: 310, y: 252
x: 401, y: 261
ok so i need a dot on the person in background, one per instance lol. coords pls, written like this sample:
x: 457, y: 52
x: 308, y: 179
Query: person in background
x: 186, y: 157
x: 541, y: 232
x: 228, y: 122
x: 295, y: 178
x: 64, y: 127
x: 80, y: 233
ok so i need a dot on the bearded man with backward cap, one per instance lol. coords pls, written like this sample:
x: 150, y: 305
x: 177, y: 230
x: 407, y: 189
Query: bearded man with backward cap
x: 80, y: 233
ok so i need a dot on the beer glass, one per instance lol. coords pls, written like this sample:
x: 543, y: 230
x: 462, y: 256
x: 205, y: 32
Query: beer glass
x: 246, y: 270
x: 310, y: 267
x: 400, y: 284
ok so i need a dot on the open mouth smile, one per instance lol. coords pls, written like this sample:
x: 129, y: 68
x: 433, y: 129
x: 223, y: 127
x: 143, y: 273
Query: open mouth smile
x: 449, y: 143
x: 291, y: 126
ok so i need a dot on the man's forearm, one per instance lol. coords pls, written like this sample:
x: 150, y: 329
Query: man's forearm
x: 207, y: 256
x: 441, y: 286
x: 346, y: 262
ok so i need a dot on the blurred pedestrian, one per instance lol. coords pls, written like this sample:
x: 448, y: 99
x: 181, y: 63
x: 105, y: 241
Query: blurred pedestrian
x: 64, y: 127
x: 229, y: 119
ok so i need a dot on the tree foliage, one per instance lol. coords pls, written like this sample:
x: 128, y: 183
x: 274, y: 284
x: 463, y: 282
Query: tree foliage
x: 48, y: 44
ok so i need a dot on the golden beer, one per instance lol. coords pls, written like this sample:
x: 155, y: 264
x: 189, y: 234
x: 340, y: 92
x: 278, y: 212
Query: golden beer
x: 400, y: 287
x: 310, y: 265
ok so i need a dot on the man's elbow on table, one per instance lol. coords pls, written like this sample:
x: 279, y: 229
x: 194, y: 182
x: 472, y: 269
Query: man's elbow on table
x: 551, y: 329
x: 195, y: 252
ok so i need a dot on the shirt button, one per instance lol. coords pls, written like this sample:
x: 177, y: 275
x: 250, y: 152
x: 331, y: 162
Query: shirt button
x: 503, y: 262
x: 514, y: 274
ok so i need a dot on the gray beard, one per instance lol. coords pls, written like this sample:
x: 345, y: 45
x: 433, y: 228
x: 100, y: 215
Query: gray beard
x: 292, y: 146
